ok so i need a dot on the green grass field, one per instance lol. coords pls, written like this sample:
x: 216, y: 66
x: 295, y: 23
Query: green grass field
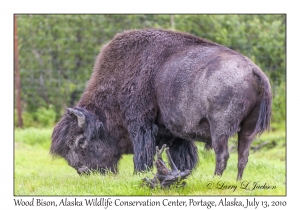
x: 36, y: 172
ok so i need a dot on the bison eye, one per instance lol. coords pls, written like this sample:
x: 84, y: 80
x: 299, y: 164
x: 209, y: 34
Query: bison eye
x: 81, y: 141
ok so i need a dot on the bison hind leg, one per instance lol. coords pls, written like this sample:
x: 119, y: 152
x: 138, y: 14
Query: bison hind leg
x: 245, y: 138
x: 220, y: 147
x: 184, y: 154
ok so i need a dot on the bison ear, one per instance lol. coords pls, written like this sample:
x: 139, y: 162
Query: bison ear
x: 80, y: 116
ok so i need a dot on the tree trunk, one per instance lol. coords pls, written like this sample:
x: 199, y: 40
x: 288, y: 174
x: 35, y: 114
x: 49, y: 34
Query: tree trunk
x: 17, y: 75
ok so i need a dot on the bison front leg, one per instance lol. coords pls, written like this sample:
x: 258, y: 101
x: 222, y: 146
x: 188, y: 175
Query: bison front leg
x: 184, y: 154
x: 144, y: 147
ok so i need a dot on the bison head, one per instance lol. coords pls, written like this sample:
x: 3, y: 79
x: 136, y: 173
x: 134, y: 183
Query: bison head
x: 83, y: 141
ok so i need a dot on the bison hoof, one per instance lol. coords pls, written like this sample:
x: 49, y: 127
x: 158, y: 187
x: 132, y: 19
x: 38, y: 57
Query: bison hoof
x: 164, y: 176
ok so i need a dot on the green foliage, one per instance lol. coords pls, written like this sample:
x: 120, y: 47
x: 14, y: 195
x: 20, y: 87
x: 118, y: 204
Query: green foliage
x: 279, y: 105
x: 36, y: 172
x: 57, y: 52
x: 259, y: 37
x: 41, y: 118
x: 46, y: 117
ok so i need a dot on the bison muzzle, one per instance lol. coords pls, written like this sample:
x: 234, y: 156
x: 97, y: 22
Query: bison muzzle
x: 153, y: 87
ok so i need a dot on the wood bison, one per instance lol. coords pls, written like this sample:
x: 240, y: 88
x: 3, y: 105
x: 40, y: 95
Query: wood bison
x: 153, y: 87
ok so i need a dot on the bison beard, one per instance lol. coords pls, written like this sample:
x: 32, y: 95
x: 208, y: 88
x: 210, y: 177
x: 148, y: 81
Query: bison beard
x: 154, y: 87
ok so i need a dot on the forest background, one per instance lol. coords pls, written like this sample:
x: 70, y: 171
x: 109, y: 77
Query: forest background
x: 57, y: 53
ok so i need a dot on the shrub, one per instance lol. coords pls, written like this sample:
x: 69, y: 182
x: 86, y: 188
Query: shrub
x: 45, y: 117
x: 279, y: 106
x: 41, y: 118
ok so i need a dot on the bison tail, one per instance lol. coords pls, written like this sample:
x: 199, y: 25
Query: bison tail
x: 264, y: 89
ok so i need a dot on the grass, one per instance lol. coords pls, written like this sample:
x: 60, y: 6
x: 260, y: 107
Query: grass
x: 37, y: 173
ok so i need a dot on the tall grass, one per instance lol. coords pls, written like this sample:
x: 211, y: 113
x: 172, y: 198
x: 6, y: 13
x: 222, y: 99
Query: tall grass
x: 38, y: 173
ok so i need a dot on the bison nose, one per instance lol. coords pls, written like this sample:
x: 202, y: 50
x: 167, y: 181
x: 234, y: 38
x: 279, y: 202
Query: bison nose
x: 83, y: 170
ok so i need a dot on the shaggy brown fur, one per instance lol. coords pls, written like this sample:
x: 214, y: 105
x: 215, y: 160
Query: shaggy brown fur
x: 153, y: 87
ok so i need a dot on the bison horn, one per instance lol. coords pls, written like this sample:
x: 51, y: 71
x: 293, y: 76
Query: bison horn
x: 80, y: 116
